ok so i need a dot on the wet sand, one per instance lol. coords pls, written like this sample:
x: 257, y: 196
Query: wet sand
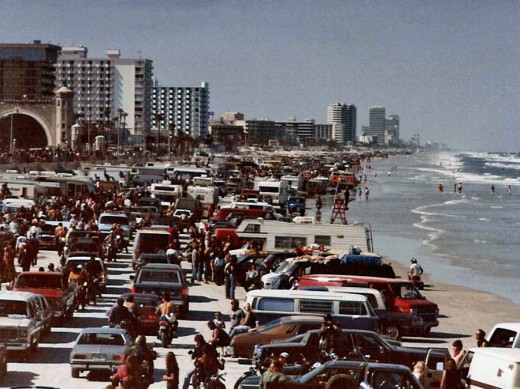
x: 462, y: 311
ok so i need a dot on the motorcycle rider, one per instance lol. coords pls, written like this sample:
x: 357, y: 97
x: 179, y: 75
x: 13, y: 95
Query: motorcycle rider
x: 207, y: 365
x: 143, y: 354
x: 200, y: 342
x: 119, y: 313
x: 166, y: 311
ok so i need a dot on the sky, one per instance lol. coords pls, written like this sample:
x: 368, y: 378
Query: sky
x: 449, y: 68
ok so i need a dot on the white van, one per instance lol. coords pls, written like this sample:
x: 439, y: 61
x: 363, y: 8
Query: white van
x: 494, y: 368
x: 349, y: 310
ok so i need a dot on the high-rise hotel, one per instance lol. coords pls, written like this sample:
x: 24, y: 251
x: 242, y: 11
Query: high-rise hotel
x: 343, y: 118
x: 106, y: 88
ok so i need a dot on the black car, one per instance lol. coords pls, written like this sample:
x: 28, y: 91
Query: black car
x: 161, y: 278
x: 352, y: 344
x: 341, y: 374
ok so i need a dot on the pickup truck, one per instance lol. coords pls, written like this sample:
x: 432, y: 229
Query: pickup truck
x: 504, y: 335
x: 353, y: 344
x: 53, y: 286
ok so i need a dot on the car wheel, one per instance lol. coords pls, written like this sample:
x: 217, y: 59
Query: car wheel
x: 340, y: 381
x: 3, y: 371
x: 74, y: 373
x: 392, y: 331
x: 426, y: 332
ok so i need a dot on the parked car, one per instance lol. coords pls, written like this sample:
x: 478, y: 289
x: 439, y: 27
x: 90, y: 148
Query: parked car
x: 160, y: 278
x: 349, y: 310
x: 52, y: 285
x: 401, y: 297
x: 494, y: 367
x: 147, y: 304
x: 20, y: 324
x: 504, y: 335
x: 342, y: 374
x: 353, y: 344
x: 99, y: 349
x: 242, y: 345
x: 391, y: 323
x: 290, y: 270
x: 45, y: 311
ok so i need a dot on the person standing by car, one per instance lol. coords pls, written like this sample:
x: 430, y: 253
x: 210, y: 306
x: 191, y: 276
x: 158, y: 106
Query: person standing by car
x: 230, y: 274
x: 236, y: 315
x: 329, y: 334
x: 128, y: 375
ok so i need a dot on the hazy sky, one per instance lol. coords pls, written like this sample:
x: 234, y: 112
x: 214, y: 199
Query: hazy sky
x: 449, y: 68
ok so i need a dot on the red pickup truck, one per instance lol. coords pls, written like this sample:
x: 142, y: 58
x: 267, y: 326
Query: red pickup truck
x: 52, y: 285
x: 399, y: 295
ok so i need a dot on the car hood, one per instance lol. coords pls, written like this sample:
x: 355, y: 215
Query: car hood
x: 15, y: 321
x: 98, y: 349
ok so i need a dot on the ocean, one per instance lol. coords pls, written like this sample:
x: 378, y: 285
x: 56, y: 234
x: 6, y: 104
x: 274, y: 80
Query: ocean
x: 471, y: 238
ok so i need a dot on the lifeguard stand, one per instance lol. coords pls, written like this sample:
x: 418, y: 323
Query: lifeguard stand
x: 339, y: 210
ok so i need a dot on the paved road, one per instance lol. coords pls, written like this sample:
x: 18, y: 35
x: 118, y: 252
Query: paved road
x: 50, y: 366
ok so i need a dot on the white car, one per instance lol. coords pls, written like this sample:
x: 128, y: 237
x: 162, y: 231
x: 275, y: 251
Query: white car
x: 99, y: 349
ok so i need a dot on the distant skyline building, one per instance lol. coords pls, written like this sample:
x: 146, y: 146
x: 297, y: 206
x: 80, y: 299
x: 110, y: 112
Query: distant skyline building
x: 27, y: 70
x: 343, y: 118
x: 377, y: 124
x: 108, y: 88
x: 184, y: 109
x: 392, y: 129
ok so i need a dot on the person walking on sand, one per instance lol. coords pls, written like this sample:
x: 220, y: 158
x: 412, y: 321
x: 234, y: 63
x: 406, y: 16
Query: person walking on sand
x: 367, y: 192
x: 480, y: 336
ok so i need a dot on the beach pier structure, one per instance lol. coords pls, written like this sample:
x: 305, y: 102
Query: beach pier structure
x: 339, y: 210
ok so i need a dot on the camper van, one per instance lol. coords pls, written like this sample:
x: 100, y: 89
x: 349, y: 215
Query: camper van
x: 279, y: 236
x: 208, y: 197
x: 494, y: 368
x: 166, y: 192
x: 273, y: 190
x: 349, y: 310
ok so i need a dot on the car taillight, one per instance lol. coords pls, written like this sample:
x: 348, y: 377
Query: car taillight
x: 184, y: 292
x: 132, y: 290
x: 119, y: 357
x: 151, y: 316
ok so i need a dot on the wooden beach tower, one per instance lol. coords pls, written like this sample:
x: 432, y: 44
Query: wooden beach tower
x: 339, y: 210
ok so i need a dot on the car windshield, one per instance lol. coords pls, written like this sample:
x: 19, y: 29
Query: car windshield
x: 113, y: 219
x: 102, y: 339
x: 408, y: 291
x: 159, y: 276
x: 48, y: 281
x: 12, y: 308
x: 286, y: 267
x: 271, y: 324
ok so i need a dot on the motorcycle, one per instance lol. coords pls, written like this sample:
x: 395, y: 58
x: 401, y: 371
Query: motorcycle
x: 167, y: 329
x: 110, y: 251
x: 214, y: 381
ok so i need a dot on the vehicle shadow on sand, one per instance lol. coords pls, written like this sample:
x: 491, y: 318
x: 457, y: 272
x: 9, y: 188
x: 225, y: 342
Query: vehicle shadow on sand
x: 19, y: 378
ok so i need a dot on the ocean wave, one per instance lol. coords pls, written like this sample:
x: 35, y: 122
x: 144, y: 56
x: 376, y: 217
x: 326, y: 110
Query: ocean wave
x: 502, y: 165
x: 483, y: 219
x: 481, y: 241
x: 496, y: 157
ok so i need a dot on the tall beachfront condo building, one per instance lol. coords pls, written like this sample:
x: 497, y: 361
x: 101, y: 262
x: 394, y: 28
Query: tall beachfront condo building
x: 392, y: 129
x: 183, y: 109
x: 108, y: 89
x: 343, y: 118
x: 27, y: 70
x: 377, y: 124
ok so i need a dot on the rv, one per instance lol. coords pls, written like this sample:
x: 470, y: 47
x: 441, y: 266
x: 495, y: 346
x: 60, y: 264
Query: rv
x: 208, y: 197
x: 166, y: 192
x: 23, y: 188
x: 274, y: 190
x: 187, y: 172
x: 279, y: 236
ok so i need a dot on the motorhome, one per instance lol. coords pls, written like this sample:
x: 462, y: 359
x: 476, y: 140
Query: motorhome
x: 294, y: 182
x: 187, y: 172
x: 63, y: 184
x: 279, y: 236
x: 166, y: 192
x: 208, y: 197
x: 23, y: 188
x: 274, y: 190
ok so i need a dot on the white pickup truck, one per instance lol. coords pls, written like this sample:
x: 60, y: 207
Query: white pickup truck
x: 504, y: 335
